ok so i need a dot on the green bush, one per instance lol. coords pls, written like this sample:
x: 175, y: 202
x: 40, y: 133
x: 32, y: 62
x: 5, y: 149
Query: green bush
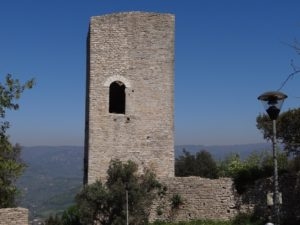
x: 246, y: 219
x: 176, y: 201
x: 256, y: 166
x: 200, y: 164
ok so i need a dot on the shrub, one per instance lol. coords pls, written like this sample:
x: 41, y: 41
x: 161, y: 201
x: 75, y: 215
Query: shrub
x: 246, y: 219
x: 176, y: 201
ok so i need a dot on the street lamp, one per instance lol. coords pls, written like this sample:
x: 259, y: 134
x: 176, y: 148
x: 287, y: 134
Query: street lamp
x: 127, y: 211
x: 272, y: 102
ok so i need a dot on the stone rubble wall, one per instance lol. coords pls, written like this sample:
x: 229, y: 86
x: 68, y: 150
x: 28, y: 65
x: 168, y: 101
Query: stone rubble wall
x: 202, y: 198
x: 14, y: 216
x: 217, y: 199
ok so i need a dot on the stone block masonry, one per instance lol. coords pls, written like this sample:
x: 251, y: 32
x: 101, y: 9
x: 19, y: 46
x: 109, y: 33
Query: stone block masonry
x: 202, y: 198
x: 14, y: 216
x: 130, y: 89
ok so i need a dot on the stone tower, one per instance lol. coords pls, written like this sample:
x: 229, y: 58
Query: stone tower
x: 130, y: 88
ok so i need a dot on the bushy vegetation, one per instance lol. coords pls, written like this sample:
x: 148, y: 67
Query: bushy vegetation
x: 11, y: 166
x: 287, y: 129
x: 201, y: 164
x: 257, y: 165
x: 105, y: 203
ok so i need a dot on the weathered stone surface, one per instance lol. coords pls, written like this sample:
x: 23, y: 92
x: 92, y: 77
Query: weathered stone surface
x: 13, y: 216
x: 137, y: 49
x: 202, y: 198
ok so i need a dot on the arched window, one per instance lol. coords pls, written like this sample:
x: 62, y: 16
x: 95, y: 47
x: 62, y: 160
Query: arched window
x: 117, y: 97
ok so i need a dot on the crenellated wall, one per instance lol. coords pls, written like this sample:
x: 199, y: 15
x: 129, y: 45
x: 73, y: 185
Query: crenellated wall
x: 13, y: 216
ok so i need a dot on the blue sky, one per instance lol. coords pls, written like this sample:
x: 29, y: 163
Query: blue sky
x: 227, y: 53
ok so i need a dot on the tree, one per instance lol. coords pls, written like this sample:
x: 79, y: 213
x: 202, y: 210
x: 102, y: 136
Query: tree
x: 256, y: 166
x: 231, y: 165
x: 11, y: 166
x: 54, y: 220
x: 201, y: 164
x: 106, y: 203
x: 288, y: 129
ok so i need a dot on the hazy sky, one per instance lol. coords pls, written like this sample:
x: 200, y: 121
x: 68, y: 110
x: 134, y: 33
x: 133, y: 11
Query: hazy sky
x: 227, y: 53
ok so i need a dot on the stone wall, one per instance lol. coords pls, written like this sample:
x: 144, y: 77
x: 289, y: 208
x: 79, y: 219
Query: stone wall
x: 135, y: 49
x: 218, y: 199
x: 289, y: 186
x: 13, y: 216
x: 201, y: 199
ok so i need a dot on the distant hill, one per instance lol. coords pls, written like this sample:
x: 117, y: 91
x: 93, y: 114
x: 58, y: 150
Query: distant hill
x: 54, y: 174
x: 52, y: 178
x: 221, y: 151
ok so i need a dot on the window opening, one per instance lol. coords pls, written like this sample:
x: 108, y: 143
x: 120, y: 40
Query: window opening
x: 117, y: 97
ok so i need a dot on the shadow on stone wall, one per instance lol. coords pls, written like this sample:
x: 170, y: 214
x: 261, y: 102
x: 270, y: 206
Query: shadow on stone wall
x: 256, y: 198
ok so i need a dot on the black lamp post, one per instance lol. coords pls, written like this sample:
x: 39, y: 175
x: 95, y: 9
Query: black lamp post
x: 127, y: 211
x: 272, y: 102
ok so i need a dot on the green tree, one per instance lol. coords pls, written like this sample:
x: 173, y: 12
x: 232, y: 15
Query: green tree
x: 288, y: 129
x: 231, y: 165
x: 11, y: 166
x: 106, y: 203
x: 256, y: 166
x: 70, y: 216
x: 54, y: 220
x: 201, y: 164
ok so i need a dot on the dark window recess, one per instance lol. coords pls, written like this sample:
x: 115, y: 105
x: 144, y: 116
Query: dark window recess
x: 117, y: 98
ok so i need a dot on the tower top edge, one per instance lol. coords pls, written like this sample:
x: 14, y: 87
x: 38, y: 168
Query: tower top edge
x: 132, y: 13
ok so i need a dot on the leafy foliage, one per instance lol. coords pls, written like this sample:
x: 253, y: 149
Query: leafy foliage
x: 201, y: 164
x: 106, y: 203
x: 176, y: 201
x: 230, y: 166
x: 294, y: 164
x: 10, y: 92
x: 53, y: 220
x: 246, y: 219
x: 71, y: 216
x: 11, y: 166
x: 254, y: 167
x: 287, y: 130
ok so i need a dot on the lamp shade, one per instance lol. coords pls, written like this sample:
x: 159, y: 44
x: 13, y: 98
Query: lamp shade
x: 272, y: 102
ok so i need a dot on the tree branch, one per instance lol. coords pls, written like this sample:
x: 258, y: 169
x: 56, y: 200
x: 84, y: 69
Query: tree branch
x: 290, y: 76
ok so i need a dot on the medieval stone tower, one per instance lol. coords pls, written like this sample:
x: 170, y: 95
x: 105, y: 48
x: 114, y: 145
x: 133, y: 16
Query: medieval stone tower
x: 130, y: 88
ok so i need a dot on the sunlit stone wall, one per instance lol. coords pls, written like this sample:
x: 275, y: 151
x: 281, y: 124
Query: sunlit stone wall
x: 136, y: 49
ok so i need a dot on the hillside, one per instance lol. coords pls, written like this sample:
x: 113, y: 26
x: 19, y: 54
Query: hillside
x: 51, y: 179
x: 54, y: 174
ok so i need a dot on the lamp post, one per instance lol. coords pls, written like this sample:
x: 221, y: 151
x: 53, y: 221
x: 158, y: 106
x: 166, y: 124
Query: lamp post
x: 272, y: 102
x: 127, y: 211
